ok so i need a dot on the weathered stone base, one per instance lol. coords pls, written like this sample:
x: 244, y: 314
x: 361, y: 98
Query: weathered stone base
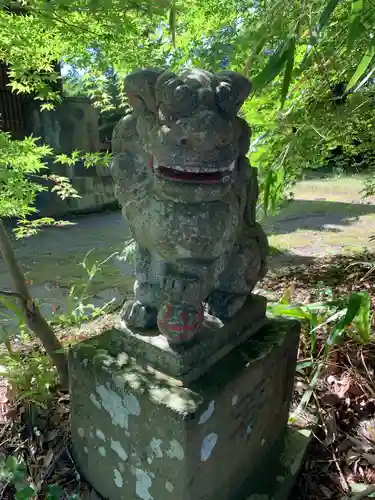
x: 276, y: 477
x: 139, y: 434
x: 186, y: 362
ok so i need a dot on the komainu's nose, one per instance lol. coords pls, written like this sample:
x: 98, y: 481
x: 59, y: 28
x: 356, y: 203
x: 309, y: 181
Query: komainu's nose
x: 205, y: 131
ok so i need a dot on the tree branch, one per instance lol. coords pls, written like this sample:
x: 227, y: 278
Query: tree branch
x: 35, y: 321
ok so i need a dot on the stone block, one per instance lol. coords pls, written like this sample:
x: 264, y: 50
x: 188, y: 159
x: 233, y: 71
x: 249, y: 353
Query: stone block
x: 140, y: 434
x: 188, y: 361
x: 276, y: 478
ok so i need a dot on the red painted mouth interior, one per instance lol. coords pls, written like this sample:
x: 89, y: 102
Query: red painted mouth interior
x: 205, y: 177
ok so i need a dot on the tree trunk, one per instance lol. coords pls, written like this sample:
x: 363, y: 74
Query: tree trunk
x: 35, y: 321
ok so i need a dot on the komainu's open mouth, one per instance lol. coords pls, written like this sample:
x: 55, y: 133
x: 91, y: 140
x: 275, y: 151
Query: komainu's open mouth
x: 196, y: 175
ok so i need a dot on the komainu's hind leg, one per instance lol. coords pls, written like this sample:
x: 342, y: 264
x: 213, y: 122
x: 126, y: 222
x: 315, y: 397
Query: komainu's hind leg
x: 246, y: 266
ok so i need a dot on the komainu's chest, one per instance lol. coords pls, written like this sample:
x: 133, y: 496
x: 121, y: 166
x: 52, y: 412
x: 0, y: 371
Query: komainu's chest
x: 178, y: 231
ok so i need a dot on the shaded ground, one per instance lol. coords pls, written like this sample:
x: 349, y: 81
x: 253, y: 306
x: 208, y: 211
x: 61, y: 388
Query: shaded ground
x: 327, y: 217
x: 341, y: 459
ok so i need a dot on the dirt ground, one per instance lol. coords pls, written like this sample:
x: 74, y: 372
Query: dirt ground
x: 328, y: 216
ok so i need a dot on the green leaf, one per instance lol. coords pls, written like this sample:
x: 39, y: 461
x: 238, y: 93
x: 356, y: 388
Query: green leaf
x: 11, y: 463
x: 25, y: 494
x: 287, y: 296
x: 289, y: 311
x: 288, y: 70
x: 309, y: 392
x: 362, y: 488
x: 272, y: 69
x: 277, y: 188
x: 355, y: 26
x: 362, y: 321
x: 363, y: 65
x: 261, y: 42
x: 326, y: 14
x: 172, y: 22
x: 314, y: 39
x: 267, y: 189
x: 301, y: 365
x: 261, y: 36
x: 307, y: 60
x: 54, y: 493
x: 355, y: 303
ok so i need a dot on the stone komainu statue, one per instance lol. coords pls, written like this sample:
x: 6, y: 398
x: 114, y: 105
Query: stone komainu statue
x: 189, y: 196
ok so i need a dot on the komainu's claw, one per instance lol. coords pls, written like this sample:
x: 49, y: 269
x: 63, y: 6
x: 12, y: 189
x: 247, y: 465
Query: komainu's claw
x: 135, y: 314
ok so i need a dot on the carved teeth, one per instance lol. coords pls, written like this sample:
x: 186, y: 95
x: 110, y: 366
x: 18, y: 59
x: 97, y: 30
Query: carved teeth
x: 198, y: 170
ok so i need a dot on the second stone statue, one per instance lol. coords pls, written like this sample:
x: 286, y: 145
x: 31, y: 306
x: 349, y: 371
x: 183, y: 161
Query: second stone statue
x: 189, y: 196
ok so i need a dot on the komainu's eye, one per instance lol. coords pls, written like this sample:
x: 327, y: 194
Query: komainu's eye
x: 182, y: 92
x: 178, y: 100
x: 225, y: 97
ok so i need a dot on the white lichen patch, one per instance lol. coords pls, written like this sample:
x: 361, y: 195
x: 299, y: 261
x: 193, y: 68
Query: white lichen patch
x: 85, y: 449
x: 234, y: 399
x: 102, y: 451
x: 132, y: 380
x: 122, y: 359
x: 143, y: 483
x: 95, y: 401
x: 155, y: 447
x: 172, y: 399
x: 119, y: 407
x: 169, y: 486
x: 263, y: 442
x: 175, y: 450
x: 81, y: 432
x: 118, y: 478
x: 117, y: 448
x: 100, y: 435
x: 208, y: 444
x: 249, y: 429
x: 208, y: 413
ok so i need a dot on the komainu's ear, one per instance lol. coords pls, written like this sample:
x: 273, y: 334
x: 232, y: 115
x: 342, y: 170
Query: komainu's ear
x: 139, y: 86
x: 232, y: 91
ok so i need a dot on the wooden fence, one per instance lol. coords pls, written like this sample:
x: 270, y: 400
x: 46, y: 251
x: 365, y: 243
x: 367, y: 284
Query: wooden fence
x: 11, y: 107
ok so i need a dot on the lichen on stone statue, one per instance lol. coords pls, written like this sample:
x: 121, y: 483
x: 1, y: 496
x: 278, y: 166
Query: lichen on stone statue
x: 189, y: 197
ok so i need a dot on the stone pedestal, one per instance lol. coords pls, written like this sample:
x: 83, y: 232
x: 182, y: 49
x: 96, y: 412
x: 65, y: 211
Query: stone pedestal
x: 138, y: 433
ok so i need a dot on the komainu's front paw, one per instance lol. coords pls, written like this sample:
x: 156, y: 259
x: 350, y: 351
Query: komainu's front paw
x: 137, y: 315
x: 180, y: 322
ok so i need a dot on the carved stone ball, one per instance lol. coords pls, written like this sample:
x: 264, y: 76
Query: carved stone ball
x: 179, y: 323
